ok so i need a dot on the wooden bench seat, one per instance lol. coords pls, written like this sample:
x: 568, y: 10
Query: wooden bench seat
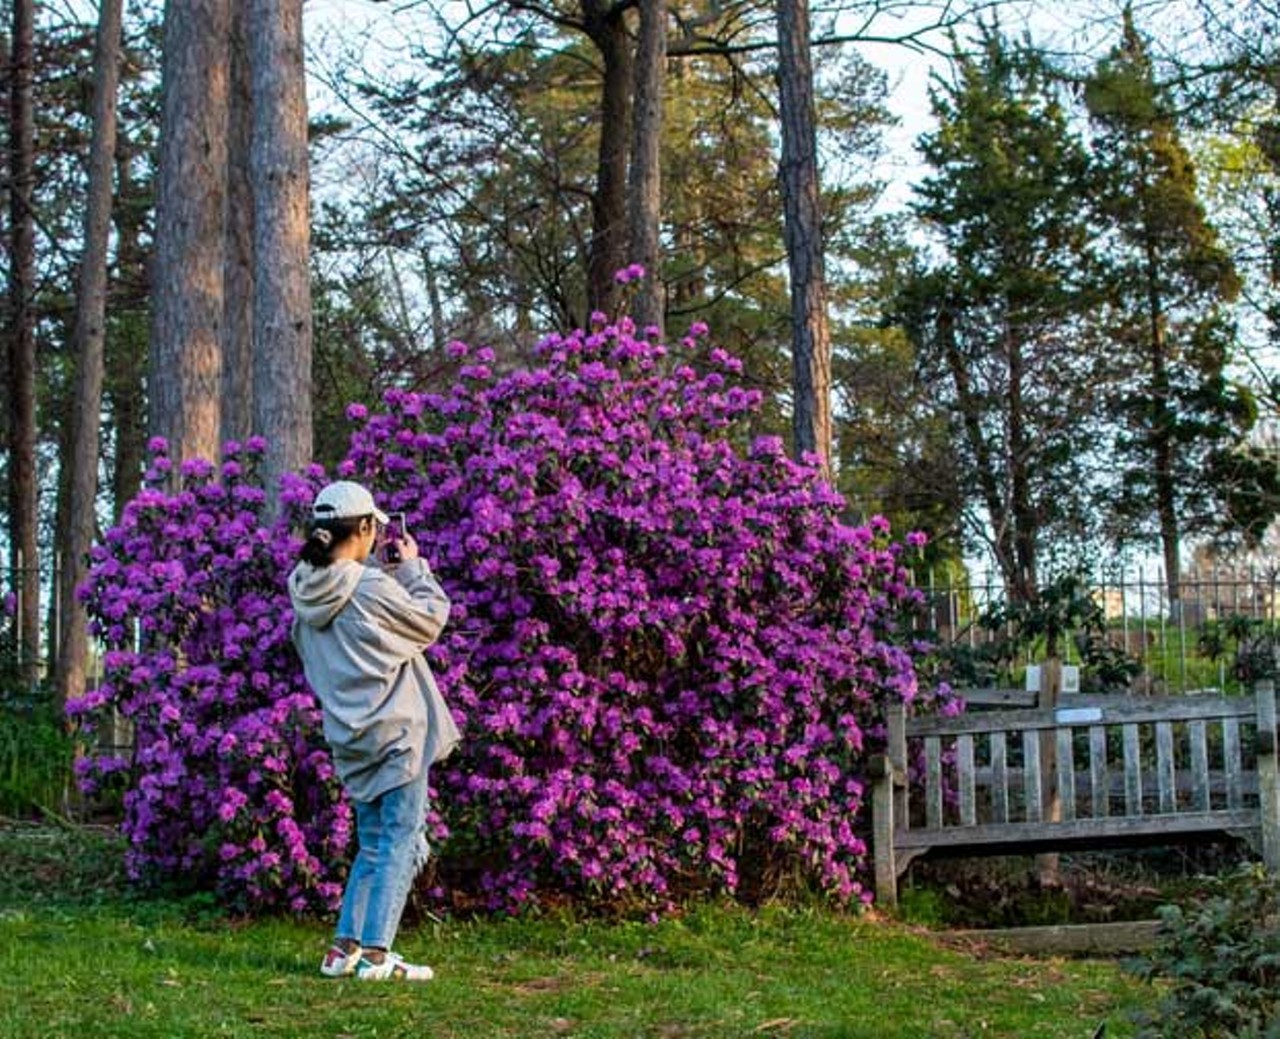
x: 1091, y: 772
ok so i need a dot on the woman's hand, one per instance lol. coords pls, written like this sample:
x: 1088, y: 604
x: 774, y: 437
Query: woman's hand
x: 408, y: 547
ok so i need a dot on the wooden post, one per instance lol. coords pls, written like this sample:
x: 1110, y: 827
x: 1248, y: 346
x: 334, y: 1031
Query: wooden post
x: 1051, y: 803
x: 882, y: 831
x: 888, y: 773
x: 897, y: 724
x: 1268, y: 782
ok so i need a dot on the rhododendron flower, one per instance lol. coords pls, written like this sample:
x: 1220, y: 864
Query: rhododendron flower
x: 669, y: 657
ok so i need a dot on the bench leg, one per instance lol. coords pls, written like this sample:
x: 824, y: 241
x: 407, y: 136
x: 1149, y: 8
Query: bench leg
x: 882, y: 839
x: 1268, y: 776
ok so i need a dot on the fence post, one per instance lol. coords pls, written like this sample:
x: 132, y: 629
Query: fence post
x: 888, y: 773
x: 1051, y: 798
x: 1268, y: 780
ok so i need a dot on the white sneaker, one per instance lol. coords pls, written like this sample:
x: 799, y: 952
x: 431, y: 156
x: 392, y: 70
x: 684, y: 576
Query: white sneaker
x: 338, y: 963
x: 392, y: 968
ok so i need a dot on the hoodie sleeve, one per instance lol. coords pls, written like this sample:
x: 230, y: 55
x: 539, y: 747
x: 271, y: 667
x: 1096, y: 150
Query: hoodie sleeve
x: 412, y: 605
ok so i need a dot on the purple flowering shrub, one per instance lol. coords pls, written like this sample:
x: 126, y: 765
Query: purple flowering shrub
x: 668, y: 654
x: 231, y: 787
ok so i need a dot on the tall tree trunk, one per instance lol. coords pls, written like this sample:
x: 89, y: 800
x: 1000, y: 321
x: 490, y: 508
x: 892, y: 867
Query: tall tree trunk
x: 1024, y: 579
x: 645, y: 194
x: 434, y: 301
x: 187, y: 281
x: 237, y: 340
x: 81, y: 462
x: 282, y: 277
x: 1162, y: 446
x: 126, y: 352
x: 802, y: 232
x: 969, y: 405
x: 23, y: 486
x: 606, y: 27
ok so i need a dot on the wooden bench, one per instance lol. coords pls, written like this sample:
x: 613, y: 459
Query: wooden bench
x: 1091, y: 772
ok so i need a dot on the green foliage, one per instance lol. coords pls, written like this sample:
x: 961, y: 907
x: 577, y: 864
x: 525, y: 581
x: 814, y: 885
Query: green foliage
x: 999, y: 322
x: 1065, y: 607
x: 1253, y: 644
x: 1221, y: 953
x: 36, y: 755
x: 1183, y: 466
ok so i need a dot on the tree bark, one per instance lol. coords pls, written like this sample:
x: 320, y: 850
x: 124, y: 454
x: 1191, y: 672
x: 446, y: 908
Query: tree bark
x: 188, y: 294
x: 282, y: 277
x: 802, y: 233
x: 1162, y: 446
x: 23, y: 486
x: 606, y: 27
x: 1023, y: 581
x: 88, y: 345
x: 645, y: 193
x: 237, y: 340
x: 126, y: 352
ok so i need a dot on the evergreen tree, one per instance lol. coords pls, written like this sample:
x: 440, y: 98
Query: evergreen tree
x: 998, y: 323
x: 1182, y: 467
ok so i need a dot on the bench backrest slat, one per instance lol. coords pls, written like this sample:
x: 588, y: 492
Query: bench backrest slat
x: 964, y: 767
x: 1066, y: 774
x: 1166, y: 782
x: 1132, y: 771
x: 1099, y: 775
x: 1033, y: 788
x: 1231, y: 762
x: 933, y: 782
x: 1197, y: 732
x: 999, y: 778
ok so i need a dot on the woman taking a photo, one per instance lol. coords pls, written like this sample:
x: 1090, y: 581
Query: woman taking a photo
x: 361, y: 630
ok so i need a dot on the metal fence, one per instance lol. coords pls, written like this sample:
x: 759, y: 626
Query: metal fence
x: 28, y: 663
x: 1187, y: 645
x: 1180, y: 648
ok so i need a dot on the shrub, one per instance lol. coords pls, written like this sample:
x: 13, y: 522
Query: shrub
x: 35, y: 761
x: 667, y: 652
x: 229, y: 786
x: 1221, y: 955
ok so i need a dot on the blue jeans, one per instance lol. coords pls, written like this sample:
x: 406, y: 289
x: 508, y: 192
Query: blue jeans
x: 392, y: 849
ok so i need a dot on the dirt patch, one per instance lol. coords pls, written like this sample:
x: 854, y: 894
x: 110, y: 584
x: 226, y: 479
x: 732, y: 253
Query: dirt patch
x: 1092, y: 888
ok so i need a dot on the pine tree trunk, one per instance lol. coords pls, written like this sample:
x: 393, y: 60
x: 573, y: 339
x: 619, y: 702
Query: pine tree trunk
x: 1023, y: 581
x: 810, y: 336
x: 282, y: 277
x: 645, y: 193
x: 126, y: 354
x: 187, y: 284
x: 237, y: 340
x: 607, y: 29
x: 23, y: 486
x: 81, y: 462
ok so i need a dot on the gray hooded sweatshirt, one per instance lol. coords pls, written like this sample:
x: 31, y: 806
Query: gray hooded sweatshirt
x: 361, y: 633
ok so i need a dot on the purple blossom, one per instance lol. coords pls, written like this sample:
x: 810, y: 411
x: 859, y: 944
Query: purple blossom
x: 665, y: 654
x: 630, y: 273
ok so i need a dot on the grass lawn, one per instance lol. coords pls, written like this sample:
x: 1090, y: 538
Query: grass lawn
x: 81, y: 957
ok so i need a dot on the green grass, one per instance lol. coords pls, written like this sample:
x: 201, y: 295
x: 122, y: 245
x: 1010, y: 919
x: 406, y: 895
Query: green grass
x: 81, y: 957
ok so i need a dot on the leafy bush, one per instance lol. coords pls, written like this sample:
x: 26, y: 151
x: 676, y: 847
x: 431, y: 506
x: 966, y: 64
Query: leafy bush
x: 1063, y: 607
x: 36, y: 753
x: 1221, y: 955
x: 667, y: 652
x: 230, y: 785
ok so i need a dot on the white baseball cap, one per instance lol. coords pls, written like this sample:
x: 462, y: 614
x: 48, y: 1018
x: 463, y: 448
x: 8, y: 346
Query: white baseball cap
x: 345, y: 500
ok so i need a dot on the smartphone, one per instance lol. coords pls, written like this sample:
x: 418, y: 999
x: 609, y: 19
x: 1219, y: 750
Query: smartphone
x: 392, y: 537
